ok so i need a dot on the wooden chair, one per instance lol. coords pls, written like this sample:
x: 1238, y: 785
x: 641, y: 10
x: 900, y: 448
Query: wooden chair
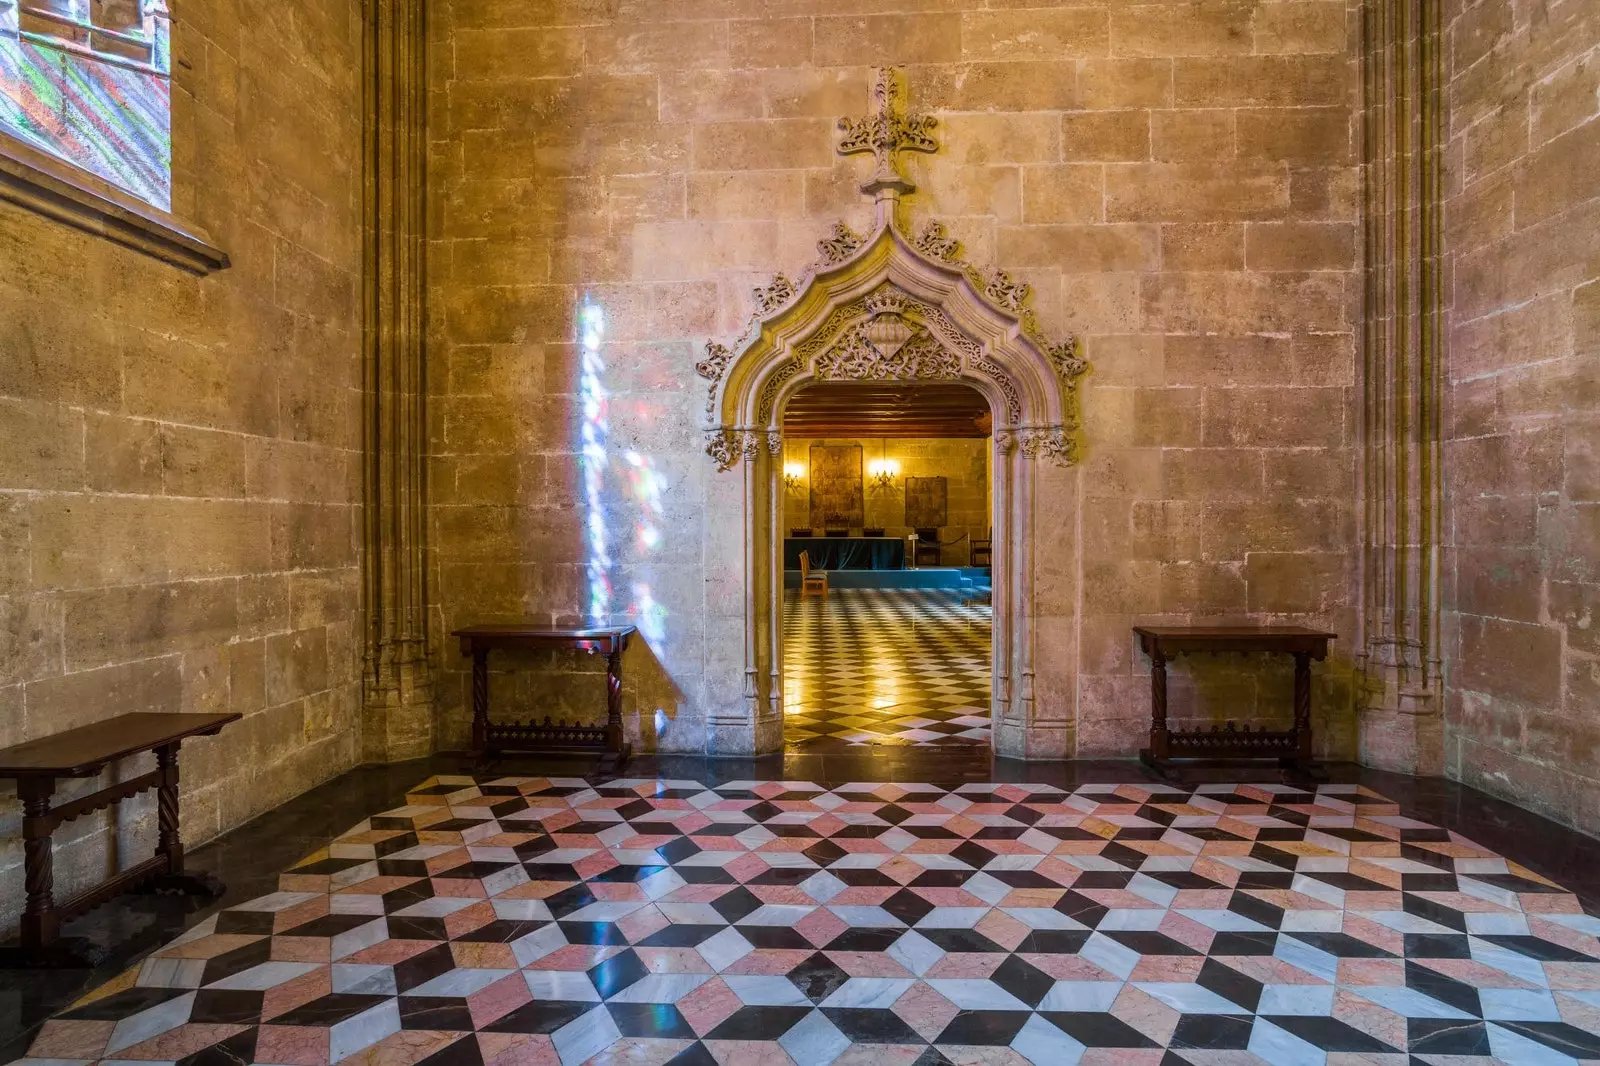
x: 983, y: 549
x: 928, y: 552
x: 812, y: 582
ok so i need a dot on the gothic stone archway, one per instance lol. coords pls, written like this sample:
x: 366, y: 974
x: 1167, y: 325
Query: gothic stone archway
x: 887, y: 307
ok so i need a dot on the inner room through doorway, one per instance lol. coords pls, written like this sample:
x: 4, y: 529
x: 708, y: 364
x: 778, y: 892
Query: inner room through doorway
x: 887, y: 556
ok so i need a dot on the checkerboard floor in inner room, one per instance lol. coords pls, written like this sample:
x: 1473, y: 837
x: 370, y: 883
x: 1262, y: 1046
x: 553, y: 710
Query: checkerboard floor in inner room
x: 885, y: 666
x: 661, y: 923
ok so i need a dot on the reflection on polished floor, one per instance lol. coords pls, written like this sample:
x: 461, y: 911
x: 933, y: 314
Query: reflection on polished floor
x: 885, y: 667
x: 664, y: 920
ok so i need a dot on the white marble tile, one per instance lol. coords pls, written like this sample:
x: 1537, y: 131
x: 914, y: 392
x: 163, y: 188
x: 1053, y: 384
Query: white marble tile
x: 586, y: 1036
x: 561, y: 985
x: 813, y: 1041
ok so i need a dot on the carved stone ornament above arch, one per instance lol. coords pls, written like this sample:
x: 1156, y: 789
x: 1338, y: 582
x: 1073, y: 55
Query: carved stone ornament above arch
x: 892, y: 306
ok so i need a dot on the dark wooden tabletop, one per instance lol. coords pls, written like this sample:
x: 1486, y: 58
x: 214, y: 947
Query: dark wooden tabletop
x: 84, y: 751
x: 530, y: 629
x: 1231, y: 633
x: 537, y: 635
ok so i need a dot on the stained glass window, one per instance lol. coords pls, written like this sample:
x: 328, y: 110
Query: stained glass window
x: 89, y: 81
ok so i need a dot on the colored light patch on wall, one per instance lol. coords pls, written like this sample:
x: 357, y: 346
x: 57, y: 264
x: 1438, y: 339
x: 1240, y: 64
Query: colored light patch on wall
x: 112, y: 121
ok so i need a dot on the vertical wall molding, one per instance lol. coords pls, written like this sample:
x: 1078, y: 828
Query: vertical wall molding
x: 1403, y: 82
x: 398, y: 721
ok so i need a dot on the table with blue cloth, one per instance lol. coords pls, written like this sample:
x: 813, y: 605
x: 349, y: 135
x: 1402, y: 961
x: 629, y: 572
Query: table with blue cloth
x: 846, y: 553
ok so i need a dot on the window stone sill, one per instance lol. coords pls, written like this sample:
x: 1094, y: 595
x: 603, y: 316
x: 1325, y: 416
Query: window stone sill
x: 40, y: 182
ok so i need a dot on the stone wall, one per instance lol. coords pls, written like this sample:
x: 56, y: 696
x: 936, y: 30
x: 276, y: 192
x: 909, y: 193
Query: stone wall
x: 179, y: 474
x: 963, y: 463
x: 1522, y: 458
x: 1176, y: 181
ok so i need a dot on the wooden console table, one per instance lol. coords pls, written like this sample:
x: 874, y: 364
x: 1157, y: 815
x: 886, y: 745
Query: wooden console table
x: 491, y: 738
x: 1291, y: 748
x: 84, y: 752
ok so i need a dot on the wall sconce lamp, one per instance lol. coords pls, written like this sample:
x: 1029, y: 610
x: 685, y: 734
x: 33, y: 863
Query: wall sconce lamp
x: 792, y: 475
x: 882, y: 472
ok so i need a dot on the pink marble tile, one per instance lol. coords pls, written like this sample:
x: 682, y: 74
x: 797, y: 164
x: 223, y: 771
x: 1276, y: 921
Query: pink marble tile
x: 517, y: 1049
x: 880, y: 1055
x: 1372, y: 972
x: 1167, y: 968
x: 469, y: 918
x: 641, y: 923
x: 673, y: 960
x: 864, y: 896
x: 791, y: 895
x: 498, y: 999
x: 180, y: 1042
x: 980, y: 1055
x: 639, y: 1051
x: 577, y: 957
x: 301, y: 949
x: 1573, y: 976
x: 1187, y: 931
x: 708, y: 1006
x: 493, y: 955
x: 209, y: 947
x: 748, y: 1053
x: 405, y: 1048
x: 280, y: 999
x: 1003, y: 929
x: 867, y: 964
x: 821, y: 926
x: 966, y: 964
x: 924, y: 1010
x: 595, y: 865
x: 292, y: 1045
x: 71, y: 1039
x: 389, y: 952
x: 1067, y: 967
x: 746, y: 866
x: 771, y: 961
x: 1369, y: 1018
x: 1142, y: 1011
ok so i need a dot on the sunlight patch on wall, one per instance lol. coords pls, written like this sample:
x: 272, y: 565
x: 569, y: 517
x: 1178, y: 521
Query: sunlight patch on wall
x: 620, y: 491
x: 594, y: 461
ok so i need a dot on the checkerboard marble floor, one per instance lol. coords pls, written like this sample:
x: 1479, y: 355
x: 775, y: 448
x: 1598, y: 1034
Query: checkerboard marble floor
x: 885, y: 667
x: 549, y: 922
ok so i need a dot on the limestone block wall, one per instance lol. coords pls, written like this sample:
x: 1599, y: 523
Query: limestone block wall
x: 1522, y: 457
x: 1176, y: 181
x: 963, y: 463
x: 179, y: 456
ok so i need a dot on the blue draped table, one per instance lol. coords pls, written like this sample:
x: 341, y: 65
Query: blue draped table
x: 846, y: 553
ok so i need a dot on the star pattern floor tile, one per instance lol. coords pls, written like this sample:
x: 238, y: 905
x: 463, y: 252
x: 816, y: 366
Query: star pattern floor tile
x: 552, y: 922
x: 900, y: 667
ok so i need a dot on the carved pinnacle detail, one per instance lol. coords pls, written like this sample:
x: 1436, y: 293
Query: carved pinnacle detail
x: 844, y: 243
x: 936, y: 243
x: 715, y: 364
x: 771, y: 297
x: 1007, y: 293
x: 886, y: 133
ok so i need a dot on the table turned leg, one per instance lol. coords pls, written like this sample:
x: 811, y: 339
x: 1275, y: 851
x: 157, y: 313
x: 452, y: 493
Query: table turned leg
x: 174, y: 879
x: 1302, y: 709
x: 1159, y: 747
x: 617, y: 750
x: 169, y: 842
x: 40, y: 923
x: 480, y: 702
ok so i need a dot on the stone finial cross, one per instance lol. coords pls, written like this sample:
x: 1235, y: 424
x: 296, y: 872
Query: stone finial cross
x: 886, y: 133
